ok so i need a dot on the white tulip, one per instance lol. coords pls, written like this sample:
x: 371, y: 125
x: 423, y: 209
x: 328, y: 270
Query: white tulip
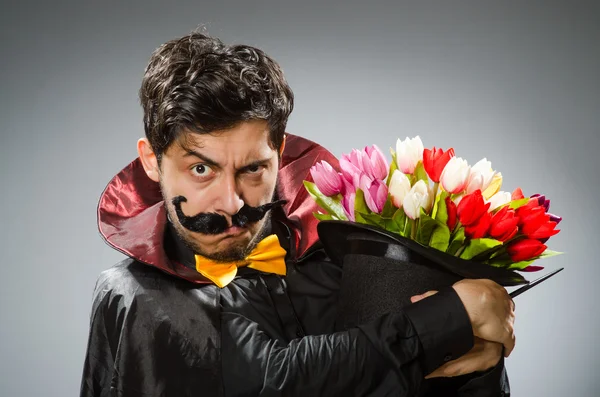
x: 399, y: 187
x: 499, y: 199
x: 481, y: 176
x: 455, y: 175
x: 419, y: 196
x: 408, y: 153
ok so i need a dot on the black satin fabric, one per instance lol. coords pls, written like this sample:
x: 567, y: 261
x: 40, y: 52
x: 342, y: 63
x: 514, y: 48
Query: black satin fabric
x: 153, y: 334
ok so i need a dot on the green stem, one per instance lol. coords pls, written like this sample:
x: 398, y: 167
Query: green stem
x: 413, y: 229
x: 435, y: 189
x: 460, y: 250
x: 435, y: 200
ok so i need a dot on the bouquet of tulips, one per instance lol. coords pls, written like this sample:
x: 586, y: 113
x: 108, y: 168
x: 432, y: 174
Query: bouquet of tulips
x: 437, y: 199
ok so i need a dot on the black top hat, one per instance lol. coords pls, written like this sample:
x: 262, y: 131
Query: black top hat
x: 382, y: 270
x: 341, y: 238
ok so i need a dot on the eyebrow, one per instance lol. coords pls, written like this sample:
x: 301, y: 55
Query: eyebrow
x: 207, y: 160
x: 213, y: 163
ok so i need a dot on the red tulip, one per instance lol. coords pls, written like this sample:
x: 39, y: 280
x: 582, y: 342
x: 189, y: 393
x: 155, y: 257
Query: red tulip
x: 451, y: 209
x: 543, y: 232
x: 531, y: 214
x: 517, y: 194
x: 532, y: 268
x: 523, y: 250
x: 434, y: 162
x: 480, y: 228
x: 534, y: 222
x: 471, y: 208
x: 504, y: 224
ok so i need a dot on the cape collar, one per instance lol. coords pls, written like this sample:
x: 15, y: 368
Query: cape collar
x: 132, y: 218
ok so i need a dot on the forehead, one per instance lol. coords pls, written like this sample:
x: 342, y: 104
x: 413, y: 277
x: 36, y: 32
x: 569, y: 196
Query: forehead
x: 247, y: 139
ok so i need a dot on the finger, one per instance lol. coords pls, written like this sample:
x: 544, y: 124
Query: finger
x: 450, y: 368
x: 417, y: 298
x: 454, y: 368
x: 513, y: 342
x: 438, y: 373
x: 483, y: 356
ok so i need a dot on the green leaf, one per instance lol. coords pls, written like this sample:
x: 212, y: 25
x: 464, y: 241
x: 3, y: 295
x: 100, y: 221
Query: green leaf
x: 520, y: 265
x: 407, y: 228
x: 332, y: 206
x: 441, y: 213
x: 426, y: 228
x: 374, y: 219
x: 548, y: 254
x: 392, y: 226
x: 499, y: 252
x: 358, y: 218
x: 393, y: 167
x: 360, y: 205
x: 518, y: 203
x: 420, y: 173
x: 457, y: 240
x: 433, y: 233
x: 504, y: 260
x: 440, y: 239
x: 399, y: 218
x: 323, y: 217
x: 478, y: 246
x: 388, y: 208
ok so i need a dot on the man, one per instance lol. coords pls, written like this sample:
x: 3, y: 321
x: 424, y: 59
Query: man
x: 226, y: 290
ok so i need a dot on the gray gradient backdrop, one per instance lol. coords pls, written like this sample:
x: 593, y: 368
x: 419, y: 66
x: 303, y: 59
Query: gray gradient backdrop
x: 517, y: 82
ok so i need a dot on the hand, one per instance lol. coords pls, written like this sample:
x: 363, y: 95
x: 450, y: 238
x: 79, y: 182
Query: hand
x: 483, y: 356
x: 490, y: 309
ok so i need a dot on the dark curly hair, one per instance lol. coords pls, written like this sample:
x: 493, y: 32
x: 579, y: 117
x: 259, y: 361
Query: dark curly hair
x: 198, y: 83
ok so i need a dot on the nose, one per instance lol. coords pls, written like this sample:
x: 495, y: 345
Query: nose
x: 228, y: 201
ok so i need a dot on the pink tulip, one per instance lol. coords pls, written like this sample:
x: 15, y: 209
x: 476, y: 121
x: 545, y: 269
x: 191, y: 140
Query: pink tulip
x: 328, y: 180
x: 351, y: 168
x: 375, y: 192
x: 375, y: 163
x: 348, y: 205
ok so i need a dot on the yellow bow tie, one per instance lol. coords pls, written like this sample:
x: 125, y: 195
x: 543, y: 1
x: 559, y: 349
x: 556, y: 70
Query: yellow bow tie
x: 268, y: 257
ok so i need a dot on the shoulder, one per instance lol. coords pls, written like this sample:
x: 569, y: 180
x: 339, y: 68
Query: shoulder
x: 124, y: 283
x: 132, y: 285
x: 124, y: 276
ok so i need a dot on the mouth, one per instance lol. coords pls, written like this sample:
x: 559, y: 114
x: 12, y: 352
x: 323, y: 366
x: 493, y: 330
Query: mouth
x: 234, y: 231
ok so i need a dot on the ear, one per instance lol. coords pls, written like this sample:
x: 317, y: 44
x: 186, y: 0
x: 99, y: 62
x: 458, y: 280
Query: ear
x: 148, y: 159
x: 282, y: 146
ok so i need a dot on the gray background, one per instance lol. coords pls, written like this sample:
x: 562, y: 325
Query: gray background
x: 516, y: 82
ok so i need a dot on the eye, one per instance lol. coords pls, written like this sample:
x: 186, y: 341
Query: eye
x: 201, y: 170
x: 254, y: 169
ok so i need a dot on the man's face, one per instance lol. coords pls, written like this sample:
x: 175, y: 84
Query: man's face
x: 218, y: 173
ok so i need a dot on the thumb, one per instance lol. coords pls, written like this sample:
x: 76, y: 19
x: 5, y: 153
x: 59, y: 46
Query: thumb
x: 417, y: 298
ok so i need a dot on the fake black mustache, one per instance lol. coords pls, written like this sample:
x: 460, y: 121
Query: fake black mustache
x: 211, y: 223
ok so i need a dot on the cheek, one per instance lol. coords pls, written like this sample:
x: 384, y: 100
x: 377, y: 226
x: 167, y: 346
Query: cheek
x: 260, y: 191
x: 198, y: 200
